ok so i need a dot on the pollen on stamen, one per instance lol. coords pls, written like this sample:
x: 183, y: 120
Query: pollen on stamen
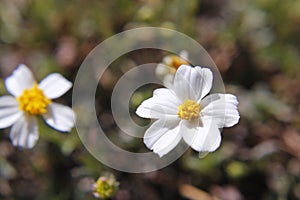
x: 33, y: 101
x: 189, y: 110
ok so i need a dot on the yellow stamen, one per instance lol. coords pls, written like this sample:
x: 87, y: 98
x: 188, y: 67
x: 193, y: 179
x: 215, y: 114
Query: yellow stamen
x: 176, y: 61
x: 33, y: 101
x: 105, y: 187
x: 189, y: 110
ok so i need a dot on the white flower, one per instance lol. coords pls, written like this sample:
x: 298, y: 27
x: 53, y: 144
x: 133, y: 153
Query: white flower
x: 167, y: 69
x: 29, y: 100
x: 186, y: 111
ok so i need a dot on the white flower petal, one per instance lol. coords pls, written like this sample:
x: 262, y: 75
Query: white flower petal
x: 166, y: 74
x: 168, y: 81
x: 167, y: 142
x: 213, y: 139
x: 184, y: 55
x: 201, y: 136
x: 163, y: 104
x: 162, y: 136
x: 167, y: 60
x: 192, y: 82
x: 166, y: 94
x: 21, y: 79
x: 24, y: 132
x: 54, y: 86
x: 188, y: 130
x: 158, y: 129
x: 60, y: 117
x: 9, y: 111
x: 162, y: 70
x: 221, y: 108
x: 201, y: 82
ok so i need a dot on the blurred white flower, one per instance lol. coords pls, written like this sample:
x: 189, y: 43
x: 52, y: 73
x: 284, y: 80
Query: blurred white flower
x: 167, y: 69
x: 186, y: 111
x: 29, y: 100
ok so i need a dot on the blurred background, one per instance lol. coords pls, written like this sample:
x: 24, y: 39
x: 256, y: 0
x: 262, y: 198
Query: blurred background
x: 255, y: 45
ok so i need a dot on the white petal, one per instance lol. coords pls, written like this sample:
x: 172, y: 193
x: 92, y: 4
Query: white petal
x: 167, y: 60
x: 54, y: 86
x: 158, y: 129
x: 192, y: 82
x: 9, y: 111
x: 201, y: 136
x: 161, y: 70
x: 60, y: 117
x: 24, y: 132
x: 184, y: 55
x: 221, y: 108
x: 162, y: 136
x: 163, y: 104
x: 168, y: 81
x: 166, y: 94
x: 21, y: 79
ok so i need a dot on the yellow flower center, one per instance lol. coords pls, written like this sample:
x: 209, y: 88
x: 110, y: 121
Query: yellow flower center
x: 176, y: 61
x: 189, y: 110
x: 33, y: 101
x: 105, y: 187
